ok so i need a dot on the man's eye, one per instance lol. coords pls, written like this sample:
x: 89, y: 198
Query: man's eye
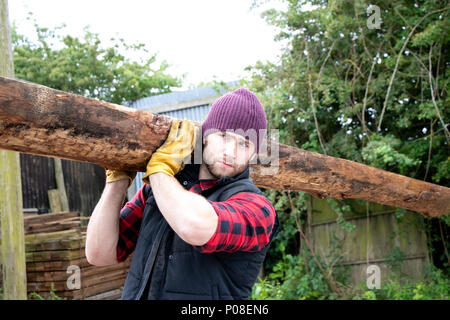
x: 243, y: 144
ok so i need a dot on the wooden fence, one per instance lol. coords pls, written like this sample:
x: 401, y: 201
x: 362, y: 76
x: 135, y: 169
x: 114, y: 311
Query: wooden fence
x: 84, y: 183
x: 381, y: 238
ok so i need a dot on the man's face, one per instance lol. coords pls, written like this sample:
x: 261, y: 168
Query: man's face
x: 227, y: 154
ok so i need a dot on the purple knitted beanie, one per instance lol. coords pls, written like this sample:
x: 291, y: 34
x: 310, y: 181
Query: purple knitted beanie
x: 239, y: 111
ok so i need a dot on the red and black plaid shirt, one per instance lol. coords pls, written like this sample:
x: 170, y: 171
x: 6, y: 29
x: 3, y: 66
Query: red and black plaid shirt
x: 245, y: 222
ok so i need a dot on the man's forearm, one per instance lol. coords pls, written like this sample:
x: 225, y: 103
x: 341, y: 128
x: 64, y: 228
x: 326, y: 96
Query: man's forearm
x: 190, y: 215
x: 103, y: 228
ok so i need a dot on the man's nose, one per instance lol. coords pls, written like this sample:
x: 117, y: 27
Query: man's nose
x: 230, y: 149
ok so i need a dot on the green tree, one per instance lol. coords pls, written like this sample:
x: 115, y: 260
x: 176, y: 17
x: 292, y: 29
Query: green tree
x: 332, y: 92
x: 377, y: 95
x: 83, y: 66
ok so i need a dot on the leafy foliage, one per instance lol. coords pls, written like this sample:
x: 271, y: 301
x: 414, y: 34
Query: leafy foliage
x: 83, y: 66
x: 51, y: 295
x: 435, y: 285
x: 293, y: 278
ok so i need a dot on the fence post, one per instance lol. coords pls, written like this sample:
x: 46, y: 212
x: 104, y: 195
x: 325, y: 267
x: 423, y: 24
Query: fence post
x: 11, y: 206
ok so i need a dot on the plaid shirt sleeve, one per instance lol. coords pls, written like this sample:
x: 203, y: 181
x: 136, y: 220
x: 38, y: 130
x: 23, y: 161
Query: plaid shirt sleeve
x: 245, y: 223
x: 130, y: 223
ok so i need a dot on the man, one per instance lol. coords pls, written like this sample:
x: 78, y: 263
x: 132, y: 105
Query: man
x: 196, y: 231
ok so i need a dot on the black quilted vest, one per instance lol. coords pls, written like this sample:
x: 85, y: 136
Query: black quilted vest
x: 163, y: 266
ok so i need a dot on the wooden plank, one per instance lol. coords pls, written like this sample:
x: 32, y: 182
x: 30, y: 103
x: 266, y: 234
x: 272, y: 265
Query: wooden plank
x: 54, y: 255
x: 39, y: 120
x: 50, y: 224
x: 54, y: 199
x: 52, y: 245
x: 92, y: 270
x: 11, y: 205
x: 55, y: 276
x: 105, y: 277
x: 42, y: 266
x: 30, y: 211
x: 102, y: 287
x: 48, y: 217
x: 52, y: 228
x: 85, y: 282
x: 56, y: 235
x: 85, y: 272
x: 49, y: 227
x: 59, y: 175
x: 108, y: 295
x: 85, y: 292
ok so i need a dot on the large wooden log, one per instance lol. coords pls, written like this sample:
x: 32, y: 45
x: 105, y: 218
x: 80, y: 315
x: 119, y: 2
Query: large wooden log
x: 39, y: 120
x: 329, y: 177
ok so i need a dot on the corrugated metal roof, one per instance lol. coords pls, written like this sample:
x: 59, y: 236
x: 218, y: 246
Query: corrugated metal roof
x: 178, y: 97
x: 197, y: 113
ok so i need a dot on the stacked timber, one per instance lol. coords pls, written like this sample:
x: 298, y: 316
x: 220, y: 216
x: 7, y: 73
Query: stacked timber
x: 51, y: 222
x: 57, y: 265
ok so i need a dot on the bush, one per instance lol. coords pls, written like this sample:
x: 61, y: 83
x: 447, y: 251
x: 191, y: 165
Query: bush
x: 294, y: 278
x: 434, y: 286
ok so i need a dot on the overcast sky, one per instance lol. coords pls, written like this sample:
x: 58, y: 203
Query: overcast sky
x: 199, y: 38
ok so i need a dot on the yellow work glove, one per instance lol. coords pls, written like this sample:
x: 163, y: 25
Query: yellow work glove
x: 115, y: 175
x: 171, y: 155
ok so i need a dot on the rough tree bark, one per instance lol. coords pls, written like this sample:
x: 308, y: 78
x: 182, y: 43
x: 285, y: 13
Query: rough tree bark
x: 43, y: 121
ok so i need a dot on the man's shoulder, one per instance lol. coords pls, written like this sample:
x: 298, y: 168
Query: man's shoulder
x: 240, y: 186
